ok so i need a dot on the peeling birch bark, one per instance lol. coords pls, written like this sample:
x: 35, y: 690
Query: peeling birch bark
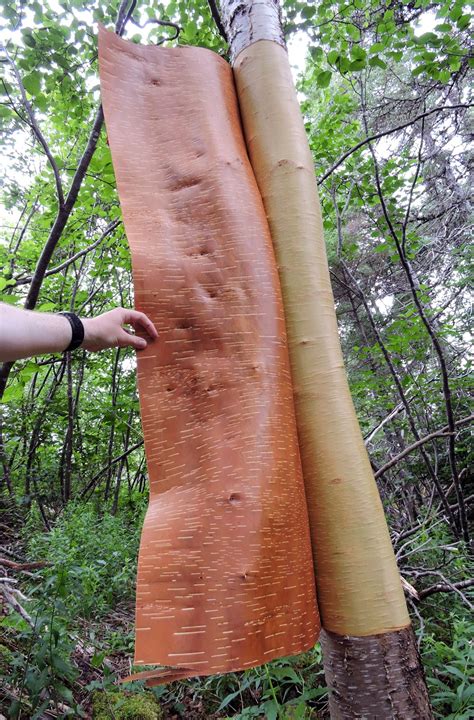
x: 225, y: 577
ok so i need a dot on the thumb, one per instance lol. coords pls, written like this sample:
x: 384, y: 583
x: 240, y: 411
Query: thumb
x: 128, y: 340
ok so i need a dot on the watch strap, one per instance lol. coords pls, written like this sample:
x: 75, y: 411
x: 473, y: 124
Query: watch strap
x: 77, y: 331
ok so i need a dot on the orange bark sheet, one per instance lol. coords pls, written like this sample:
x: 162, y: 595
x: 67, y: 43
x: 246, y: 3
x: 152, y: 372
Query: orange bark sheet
x: 225, y: 572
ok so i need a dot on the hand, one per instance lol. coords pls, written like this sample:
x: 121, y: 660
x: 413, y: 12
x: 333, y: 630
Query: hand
x: 107, y: 331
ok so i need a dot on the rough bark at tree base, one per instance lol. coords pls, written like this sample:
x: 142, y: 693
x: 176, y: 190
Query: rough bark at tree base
x: 378, y: 677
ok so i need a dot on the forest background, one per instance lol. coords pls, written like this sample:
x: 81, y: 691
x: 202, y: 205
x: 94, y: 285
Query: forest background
x: 384, y: 90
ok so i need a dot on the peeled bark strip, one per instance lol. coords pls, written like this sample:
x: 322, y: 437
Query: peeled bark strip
x: 375, y: 677
x: 225, y: 577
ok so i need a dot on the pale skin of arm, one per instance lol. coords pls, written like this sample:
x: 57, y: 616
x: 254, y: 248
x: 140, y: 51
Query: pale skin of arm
x: 25, y: 333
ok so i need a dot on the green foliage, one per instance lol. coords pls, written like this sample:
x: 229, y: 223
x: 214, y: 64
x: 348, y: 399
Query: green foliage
x: 92, y: 557
x: 40, y: 668
x: 450, y: 667
x: 291, y: 687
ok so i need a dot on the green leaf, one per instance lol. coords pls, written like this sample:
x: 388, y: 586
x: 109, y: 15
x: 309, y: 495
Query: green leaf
x: 456, y: 672
x: 65, y: 693
x: 376, y: 48
x: 12, y: 393
x: 456, y: 12
x: 316, y: 52
x: 98, y: 659
x: 427, y: 38
x: 353, y: 32
x: 463, y: 22
x: 357, y: 65
x: 358, y: 53
x: 307, y: 12
x: 28, y: 38
x: 377, y: 62
x: 228, y: 699
x: 32, y: 82
x: 324, y: 78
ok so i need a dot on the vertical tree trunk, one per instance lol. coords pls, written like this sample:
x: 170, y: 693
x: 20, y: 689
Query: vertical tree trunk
x: 371, y: 660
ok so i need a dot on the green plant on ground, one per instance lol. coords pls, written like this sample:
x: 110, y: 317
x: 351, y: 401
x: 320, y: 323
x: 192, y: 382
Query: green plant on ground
x: 122, y: 706
x: 97, y: 553
x: 450, y: 669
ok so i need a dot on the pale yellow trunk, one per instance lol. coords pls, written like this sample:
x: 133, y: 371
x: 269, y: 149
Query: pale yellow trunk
x: 357, y: 577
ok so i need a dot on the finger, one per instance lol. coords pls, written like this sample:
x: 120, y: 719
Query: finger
x: 140, y: 320
x: 126, y: 339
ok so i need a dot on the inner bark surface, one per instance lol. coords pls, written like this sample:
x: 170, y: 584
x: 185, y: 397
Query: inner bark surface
x: 225, y: 576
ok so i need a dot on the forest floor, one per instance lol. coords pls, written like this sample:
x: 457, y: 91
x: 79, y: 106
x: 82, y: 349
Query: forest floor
x: 67, y: 635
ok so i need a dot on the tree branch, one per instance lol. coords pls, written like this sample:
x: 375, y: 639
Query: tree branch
x: 379, y: 135
x: 91, y: 484
x: 420, y: 306
x: 438, y: 433
x: 33, y: 123
x: 109, y: 229
x: 448, y: 587
x: 217, y: 19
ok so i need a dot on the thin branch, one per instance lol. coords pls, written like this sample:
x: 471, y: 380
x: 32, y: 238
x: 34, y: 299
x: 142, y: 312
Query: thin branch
x: 443, y: 432
x: 21, y: 567
x: 124, y: 15
x: 412, y: 188
x: 91, y: 484
x: 393, y: 413
x: 109, y: 229
x: 381, y: 134
x: 449, y: 587
x: 163, y: 23
x: 419, y: 304
x: 15, y: 605
x: 217, y: 19
x: 401, y: 392
x: 33, y: 123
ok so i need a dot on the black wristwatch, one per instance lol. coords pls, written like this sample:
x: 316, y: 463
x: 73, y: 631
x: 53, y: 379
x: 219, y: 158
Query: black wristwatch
x: 77, y: 331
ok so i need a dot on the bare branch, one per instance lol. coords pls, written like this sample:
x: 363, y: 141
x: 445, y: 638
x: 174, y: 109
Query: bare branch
x: 90, y: 486
x: 443, y: 432
x: 23, y: 566
x: 379, y: 135
x: 162, y: 23
x: 217, y: 19
x: 15, y: 605
x: 109, y: 229
x: 447, y: 586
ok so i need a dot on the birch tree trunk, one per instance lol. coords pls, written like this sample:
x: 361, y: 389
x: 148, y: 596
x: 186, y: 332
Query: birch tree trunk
x: 371, y: 661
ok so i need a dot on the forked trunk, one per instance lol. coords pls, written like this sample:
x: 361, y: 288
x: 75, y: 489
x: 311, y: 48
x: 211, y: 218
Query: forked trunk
x: 371, y: 661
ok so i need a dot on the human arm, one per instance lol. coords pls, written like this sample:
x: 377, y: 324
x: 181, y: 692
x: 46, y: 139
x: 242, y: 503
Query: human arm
x: 24, y: 333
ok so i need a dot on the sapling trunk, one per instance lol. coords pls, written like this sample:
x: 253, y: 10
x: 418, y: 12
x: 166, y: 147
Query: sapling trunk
x: 371, y: 661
